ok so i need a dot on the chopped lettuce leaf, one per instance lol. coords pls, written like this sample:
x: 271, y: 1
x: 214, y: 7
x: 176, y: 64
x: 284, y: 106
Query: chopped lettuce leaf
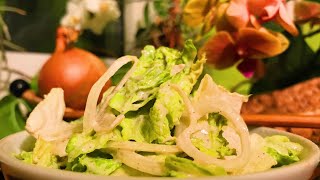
x: 85, y: 143
x: 210, y: 139
x: 128, y: 171
x: 26, y: 157
x: 162, y: 66
x: 259, y: 160
x: 75, y: 166
x: 152, y: 70
x: 268, y: 152
x: 133, y: 128
x: 282, y: 149
x: 182, y: 167
x: 98, y: 165
x: 168, y: 107
x: 41, y: 155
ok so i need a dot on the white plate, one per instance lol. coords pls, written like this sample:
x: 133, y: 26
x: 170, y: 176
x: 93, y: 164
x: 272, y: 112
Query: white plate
x: 15, y: 143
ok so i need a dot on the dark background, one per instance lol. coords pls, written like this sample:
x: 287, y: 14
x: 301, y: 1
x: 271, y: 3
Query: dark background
x: 35, y: 31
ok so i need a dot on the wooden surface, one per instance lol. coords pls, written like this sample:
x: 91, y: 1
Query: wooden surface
x: 282, y: 120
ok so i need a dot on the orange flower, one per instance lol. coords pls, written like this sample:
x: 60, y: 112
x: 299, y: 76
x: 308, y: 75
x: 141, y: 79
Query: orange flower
x: 248, y: 44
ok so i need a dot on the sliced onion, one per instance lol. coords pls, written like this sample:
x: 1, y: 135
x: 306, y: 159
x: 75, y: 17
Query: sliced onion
x: 145, y: 147
x: 107, y: 125
x: 90, y: 114
x: 184, y: 139
x: 141, y: 163
x: 191, y: 114
x: 184, y: 142
x: 117, y: 88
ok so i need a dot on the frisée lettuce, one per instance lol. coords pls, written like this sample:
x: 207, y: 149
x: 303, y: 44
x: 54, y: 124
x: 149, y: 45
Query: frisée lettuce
x: 160, y: 119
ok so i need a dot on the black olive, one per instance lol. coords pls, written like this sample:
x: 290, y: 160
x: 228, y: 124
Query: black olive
x: 18, y: 87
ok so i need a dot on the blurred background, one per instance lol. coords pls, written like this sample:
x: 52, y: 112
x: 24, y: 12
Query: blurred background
x: 36, y: 30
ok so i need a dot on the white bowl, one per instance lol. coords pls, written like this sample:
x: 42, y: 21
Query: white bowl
x: 15, y: 143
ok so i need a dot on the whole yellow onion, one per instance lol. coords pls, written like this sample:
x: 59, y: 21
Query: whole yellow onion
x: 72, y: 69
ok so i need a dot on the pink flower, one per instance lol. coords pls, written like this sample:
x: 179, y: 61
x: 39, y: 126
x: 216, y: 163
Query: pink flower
x: 238, y: 13
x: 242, y: 12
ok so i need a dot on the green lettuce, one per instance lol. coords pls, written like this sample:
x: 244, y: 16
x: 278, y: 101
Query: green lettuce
x: 152, y: 70
x: 41, y: 155
x: 168, y: 107
x: 86, y: 143
x: 152, y: 107
x: 128, y: 171
x: 182, y: 167
x: 217, y: 145
x: 99, y: 165
x: 26, y: 157
x: 259, y: 160
x: 282, y: 149
x: 133, y: 128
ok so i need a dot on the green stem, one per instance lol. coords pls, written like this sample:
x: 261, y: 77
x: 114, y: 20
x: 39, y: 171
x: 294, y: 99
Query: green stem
x: 12, y: 9
x: 312, y: 33
x: 241, y: 83
x: 3, y: 61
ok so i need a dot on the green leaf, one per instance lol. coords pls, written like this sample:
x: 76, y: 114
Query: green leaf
x: 162, y: 7
x: 133, y: 128
x: 34, y: 83
x: 273, y: 26
x: 99, y: 165
x: 85, y: 143
x: 152, y: 70
x: 283, y: 150
x: 168, y: 106
x: 217, y: 145
x: 42, y: 154
x: 146, y: 15
x: 11, y: 117
x: 182, y: 167
x: 296, y: 64
x: 312, y: 40
x: 116, y: 78
x: 229, y: 78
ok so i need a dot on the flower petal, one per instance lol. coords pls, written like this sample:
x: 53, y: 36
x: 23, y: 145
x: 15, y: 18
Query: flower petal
x: 252, y: 68
x: 284, y: 19
x: 237, y: 13
x: 208, y: 21
x: 220, y: 50
x: 221, y: 21
x: 247, y: 67
x: 261, y: 43
x: 195, y: 11
x: 264, y: 9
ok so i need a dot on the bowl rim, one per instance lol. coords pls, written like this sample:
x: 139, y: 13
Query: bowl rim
x: 10, y: 160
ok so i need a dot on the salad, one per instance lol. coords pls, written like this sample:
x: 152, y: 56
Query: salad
x: 165, y: 117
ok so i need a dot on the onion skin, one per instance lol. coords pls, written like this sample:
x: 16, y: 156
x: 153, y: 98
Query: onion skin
x: 74, y: 70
